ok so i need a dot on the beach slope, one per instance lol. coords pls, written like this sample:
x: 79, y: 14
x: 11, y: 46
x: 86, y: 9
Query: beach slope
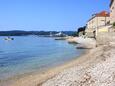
x: 97, y: 70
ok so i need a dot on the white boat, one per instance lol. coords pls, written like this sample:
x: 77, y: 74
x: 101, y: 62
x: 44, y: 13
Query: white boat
x: 8, y: 38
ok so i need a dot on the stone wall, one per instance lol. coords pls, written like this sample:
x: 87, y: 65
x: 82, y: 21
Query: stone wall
x: 105, y: 38
x: 112, y: 12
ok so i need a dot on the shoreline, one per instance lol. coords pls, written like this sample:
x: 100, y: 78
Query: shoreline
x: 97, y: 68
x: 40, y: 77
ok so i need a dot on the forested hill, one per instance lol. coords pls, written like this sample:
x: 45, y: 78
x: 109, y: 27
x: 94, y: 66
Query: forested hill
x: 24, y: 33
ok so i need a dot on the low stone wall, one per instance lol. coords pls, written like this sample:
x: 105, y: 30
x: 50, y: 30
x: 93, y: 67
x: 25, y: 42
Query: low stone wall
x: 105, y: 38
x: 90, y: 34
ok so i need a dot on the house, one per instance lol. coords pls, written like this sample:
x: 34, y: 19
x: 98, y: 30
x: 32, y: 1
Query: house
x: 112, y: 11
x: 60, y: 34
x: 97, y: 20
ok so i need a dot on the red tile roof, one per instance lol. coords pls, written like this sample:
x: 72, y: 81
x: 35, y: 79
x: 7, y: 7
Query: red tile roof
x: 103, y: 14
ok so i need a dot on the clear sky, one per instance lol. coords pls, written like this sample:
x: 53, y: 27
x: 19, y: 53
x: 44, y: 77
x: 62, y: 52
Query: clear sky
x: 48, y: 15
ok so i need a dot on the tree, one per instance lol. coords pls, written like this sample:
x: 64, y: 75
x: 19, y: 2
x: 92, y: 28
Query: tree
x: 81, y: 29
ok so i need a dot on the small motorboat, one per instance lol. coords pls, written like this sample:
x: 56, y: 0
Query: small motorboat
x: 8, y: 38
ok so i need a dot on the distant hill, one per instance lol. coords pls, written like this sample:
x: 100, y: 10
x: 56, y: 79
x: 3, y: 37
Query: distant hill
x: 24, y: 33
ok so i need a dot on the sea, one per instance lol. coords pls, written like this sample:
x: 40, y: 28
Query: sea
x: 26, y: 54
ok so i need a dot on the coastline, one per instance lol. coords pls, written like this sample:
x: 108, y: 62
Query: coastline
x: 97, y: 68
x: 84, y: 70
x: 37, y: 78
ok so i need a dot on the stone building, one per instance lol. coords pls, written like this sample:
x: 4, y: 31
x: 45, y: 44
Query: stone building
x: 97, y: 20
x: 112, y: 11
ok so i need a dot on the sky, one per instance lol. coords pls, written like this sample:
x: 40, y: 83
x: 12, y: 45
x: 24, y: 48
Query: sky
x: 48, y: 15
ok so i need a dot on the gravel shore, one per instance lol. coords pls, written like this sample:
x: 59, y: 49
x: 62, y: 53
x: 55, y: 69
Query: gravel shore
x: 98, y: 70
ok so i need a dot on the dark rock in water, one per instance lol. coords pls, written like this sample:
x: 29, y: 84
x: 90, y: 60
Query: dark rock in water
x: 82, y: 48
x: 73, y: 43
x: 61, y: 38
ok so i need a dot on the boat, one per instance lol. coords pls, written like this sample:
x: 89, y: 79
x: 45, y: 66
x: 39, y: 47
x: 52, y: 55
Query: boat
x: 8, y: 38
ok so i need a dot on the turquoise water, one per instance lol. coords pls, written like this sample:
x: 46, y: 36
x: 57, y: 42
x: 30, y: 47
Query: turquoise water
x: 27, y: 54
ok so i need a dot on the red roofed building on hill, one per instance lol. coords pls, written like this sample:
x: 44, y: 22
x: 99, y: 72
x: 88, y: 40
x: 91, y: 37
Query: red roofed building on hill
x: 102, y: 14
x: 97, y: 20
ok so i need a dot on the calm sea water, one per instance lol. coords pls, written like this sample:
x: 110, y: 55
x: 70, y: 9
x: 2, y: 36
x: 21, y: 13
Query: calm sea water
x: 27, y: 54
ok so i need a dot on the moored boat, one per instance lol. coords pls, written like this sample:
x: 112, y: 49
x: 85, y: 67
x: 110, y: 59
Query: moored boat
x: 8, y: 38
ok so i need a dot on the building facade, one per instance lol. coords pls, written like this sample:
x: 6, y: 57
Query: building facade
x: 98, y: 20
x: 112, y: 11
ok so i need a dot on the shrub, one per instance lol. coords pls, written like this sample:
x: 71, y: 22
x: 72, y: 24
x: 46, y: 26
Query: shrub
x: 114, y: 24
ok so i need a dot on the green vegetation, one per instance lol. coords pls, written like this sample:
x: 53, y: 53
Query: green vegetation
x: 40, y: 33
x: 114, y: 24
x: 75, y: 34
x: 81, y: 30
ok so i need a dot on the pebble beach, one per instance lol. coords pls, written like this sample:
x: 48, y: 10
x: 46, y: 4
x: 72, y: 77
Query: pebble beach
x: 97, y: 70
x: 96, y: 67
